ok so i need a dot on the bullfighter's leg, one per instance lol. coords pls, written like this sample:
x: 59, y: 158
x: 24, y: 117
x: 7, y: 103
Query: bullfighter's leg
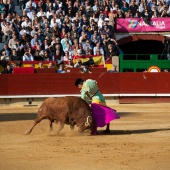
x: 94, y: 132
x: 107, y: 128
x: 35, y: 122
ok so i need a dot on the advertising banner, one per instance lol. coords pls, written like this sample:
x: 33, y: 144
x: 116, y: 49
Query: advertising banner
x: 139, y: 25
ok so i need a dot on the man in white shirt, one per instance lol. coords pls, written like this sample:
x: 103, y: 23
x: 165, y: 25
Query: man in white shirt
x: 30, y: 3
x: 25, y: 23
x: 28, y: 57
x: 98, y: 47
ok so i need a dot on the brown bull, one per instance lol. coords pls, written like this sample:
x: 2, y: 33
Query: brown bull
x: 65, y: 110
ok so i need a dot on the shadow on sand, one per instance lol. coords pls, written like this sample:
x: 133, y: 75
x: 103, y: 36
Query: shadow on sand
x: 17, y: 116
x: 32, y: 116
x: 130, y: 132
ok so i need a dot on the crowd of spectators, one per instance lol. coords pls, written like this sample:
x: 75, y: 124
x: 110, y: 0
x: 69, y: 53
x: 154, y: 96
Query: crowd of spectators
x: 59, y: 29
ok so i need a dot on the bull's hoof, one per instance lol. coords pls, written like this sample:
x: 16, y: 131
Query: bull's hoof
x: 27, y: 132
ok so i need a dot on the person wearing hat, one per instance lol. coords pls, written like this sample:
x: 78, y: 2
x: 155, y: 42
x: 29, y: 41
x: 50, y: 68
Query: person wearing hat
x: 102, y: 114
x: 111, y: 29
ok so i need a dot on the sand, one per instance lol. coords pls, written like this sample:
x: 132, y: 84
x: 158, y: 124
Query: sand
x: 140, y: 140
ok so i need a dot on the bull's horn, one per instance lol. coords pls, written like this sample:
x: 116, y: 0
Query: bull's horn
x: 86, y: 124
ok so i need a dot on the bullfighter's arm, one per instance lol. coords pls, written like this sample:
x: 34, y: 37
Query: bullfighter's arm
x: 85, y: 96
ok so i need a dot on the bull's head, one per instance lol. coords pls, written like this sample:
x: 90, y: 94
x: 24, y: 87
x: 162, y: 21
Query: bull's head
x: 87, y: 125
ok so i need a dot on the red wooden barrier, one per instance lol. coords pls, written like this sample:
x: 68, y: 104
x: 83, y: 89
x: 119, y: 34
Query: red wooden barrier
x: 109, y: 83
x: 23, y: 70
x: 45, y: 70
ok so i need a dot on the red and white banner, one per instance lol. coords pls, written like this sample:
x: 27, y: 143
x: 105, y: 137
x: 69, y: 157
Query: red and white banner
x: 138, y: 25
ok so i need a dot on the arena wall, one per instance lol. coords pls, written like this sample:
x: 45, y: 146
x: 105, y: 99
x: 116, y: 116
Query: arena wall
x: 125, y: 87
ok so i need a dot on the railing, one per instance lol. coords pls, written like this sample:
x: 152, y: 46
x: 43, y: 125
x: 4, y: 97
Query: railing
x: 141, y: 62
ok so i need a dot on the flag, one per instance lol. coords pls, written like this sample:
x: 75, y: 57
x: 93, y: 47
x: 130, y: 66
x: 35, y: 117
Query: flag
x: 98, y: 60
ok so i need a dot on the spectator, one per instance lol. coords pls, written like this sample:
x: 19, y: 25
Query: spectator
x: 125, y: 7
x: 5, y: 30
x: 24, y: 31
x: 34, y: 31
x: 41, y: 13
x: 4, y: 56
x: 95, y: 37
x: 61, y: 69
x: 41, y: 51
x: 85, y: 31
x: 2, y: 7
x: 133, y: 7
x: 10, y: 8
x: 112, y: 51
x: 22, y: 4
x: 164, y: 13
x: 113, y: 70
x: 85, y: 69
x: 40, y: 65
x: 64, y: 42
x: 87, y: 44
x: 98, y: 48
x: 47, y: 56
x: 12, y: 41
x: 48, y: 33
x: 7, y: 70
x: 25, y: 23
x: 160, y: 7
x: 7, y: 50
x: 50, y: 65
x: 69, y: 64
x: 37, y: 56
x: 106, y: 11
x: 78, y: 64
x: 34, y: 40
x: 83, y: 38
x: 15, y: 56
x: 146, y: 16
x: 28, y: 56
x: 88, y: 51
x: 107, y: 31
x: 58, y: 57
x: 111, y: 29
x: 31, y: 3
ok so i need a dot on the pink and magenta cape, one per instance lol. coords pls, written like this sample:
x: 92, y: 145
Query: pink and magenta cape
x: 102, y: 114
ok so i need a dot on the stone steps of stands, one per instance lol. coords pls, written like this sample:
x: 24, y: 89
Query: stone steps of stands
x: 15, y: 2
x: 17, y: 7
x: 18, y: 10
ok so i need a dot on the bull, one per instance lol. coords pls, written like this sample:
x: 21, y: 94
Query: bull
x: 65, y: 110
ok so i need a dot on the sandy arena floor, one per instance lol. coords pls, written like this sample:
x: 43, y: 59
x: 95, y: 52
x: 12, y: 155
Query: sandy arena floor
x: 140, y: 140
